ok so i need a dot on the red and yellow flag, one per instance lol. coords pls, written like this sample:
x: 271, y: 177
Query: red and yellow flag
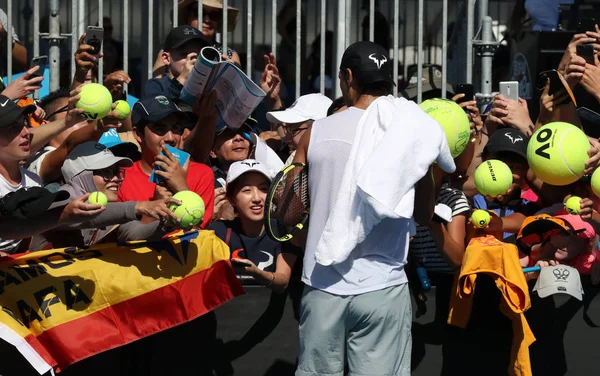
x: 63, y: 305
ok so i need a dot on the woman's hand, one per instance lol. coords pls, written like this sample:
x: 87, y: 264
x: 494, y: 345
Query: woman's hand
x: 158, y: 209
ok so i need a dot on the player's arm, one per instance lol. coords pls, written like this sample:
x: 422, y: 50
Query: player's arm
x: 425, y: 198
x: 451, y: 240
x: 302, y: 150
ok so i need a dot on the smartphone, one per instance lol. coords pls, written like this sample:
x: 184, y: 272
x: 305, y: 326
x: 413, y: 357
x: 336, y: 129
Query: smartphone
x: 40, y: 61
x: 557, y: 82
x: 586, y: 114
x: 510, y: 90
x: 586, y: 51
x: 93, y: 37
x: 468, y: 90
x: 586, y: 24
x: 238, y: 262
x: 180, y: 155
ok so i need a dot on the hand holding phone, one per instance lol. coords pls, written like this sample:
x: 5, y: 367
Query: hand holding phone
x: 510, y: 90
x: 468, y: 90
x: 557, y: 82
x: 165, y: 170
x: 40, y: 62
x: 93, y: 37
x: 586, y: 51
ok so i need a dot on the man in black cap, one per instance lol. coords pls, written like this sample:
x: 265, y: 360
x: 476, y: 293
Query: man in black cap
x: 158, y: 122
x: 180, y: 52
x: 356, y: 311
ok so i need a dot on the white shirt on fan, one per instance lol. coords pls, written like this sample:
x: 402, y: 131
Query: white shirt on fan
x: 28, y: 179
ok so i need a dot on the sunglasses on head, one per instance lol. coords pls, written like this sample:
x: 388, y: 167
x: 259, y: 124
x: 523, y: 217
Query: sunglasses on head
x: 62, y: 109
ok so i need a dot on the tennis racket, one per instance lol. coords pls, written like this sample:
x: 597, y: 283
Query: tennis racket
x: 287, y: 204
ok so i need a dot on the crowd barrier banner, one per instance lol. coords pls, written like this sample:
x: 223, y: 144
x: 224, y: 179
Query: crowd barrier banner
x: 63, y: 305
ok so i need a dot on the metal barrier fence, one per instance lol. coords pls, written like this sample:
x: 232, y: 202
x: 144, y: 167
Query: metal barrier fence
x: 342, y: 15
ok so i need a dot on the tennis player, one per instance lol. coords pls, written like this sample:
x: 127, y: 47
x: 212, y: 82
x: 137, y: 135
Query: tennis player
x: 358, y: 311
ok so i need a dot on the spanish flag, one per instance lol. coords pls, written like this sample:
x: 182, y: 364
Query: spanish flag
x: 63, y: 305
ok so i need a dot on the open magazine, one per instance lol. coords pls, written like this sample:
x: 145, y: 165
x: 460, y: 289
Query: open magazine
x: 237, y: 95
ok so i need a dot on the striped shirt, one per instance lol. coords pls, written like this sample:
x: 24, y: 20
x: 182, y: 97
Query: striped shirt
x: 422, y: 247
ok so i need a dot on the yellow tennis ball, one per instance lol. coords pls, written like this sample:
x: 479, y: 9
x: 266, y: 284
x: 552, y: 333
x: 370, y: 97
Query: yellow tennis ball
x: 480, y: 218
x: 493, y: 178
x: 95, y: 100
x: 572, y: 205
x: 595, y: 182
x: 97, y: 198
x: 122, y: 108
x: 557, y: 153
x: 454, y: 122
x: 191, y: 210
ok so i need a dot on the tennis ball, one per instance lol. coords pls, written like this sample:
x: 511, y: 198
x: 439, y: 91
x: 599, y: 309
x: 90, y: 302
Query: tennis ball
x: 572, y: 205
x: 122, y: 108
x: 97, y: 198
x: 95, y: 100
x: 454, y: 122
x: 596, y: 182
x: 191, y: 210
x: 493, y: 178
x: 557, y: 153
x: 480, y: 218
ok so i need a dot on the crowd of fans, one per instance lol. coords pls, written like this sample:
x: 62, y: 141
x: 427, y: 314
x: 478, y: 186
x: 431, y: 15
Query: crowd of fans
x: 49, y: 144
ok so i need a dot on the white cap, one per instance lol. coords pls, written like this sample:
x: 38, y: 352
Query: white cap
x: 307, y: 107
x: 237, y: 169
x: 559, y: 279
x: 90, y: 156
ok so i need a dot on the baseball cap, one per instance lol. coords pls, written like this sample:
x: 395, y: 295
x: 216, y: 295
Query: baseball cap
x: 307, y: 107
x: 10, y: 111
x: 582, y: 229
x: 536, y: 229
x: 508, y: 139
x: 30, y: 202
x: 180, y: 35
x: 90, y: 156
x: 431, y: 82
x: 150, y: 110
x: 559, y: 279
x: 120, y: 148
x: 368, y: 61
x: 237, y: 169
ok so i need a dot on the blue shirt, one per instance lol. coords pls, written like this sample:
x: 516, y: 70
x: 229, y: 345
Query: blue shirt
x: 162, y: 86
x: 544, y: 13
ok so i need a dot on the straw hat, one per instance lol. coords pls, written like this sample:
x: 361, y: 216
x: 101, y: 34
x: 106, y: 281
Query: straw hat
x: 232, y: 13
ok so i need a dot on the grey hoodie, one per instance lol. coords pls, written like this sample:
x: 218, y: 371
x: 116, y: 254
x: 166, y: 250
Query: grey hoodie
x: 94, y: 231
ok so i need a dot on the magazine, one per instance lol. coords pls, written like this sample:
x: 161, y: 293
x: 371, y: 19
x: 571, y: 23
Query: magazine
x: 237, y: 95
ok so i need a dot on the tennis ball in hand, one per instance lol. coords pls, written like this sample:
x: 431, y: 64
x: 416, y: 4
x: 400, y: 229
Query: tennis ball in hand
x: 596, y: 182
x: 454, y: 122
x: 557, y: 153
x: 493, y: 178
x: 96, y: 101
x: 122, y: 108
x: 572, y: 205
x: 191, y: 210
x: 480, y: 218
x: 97, y: 198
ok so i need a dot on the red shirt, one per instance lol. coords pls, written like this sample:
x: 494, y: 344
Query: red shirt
x: 200, y: 179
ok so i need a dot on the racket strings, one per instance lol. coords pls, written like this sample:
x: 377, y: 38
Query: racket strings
x: 291, y: 199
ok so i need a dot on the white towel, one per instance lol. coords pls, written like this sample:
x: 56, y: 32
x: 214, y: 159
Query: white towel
x: 265, y: 155
x: 394, y: 145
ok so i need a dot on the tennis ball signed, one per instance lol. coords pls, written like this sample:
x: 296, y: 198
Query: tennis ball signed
x: 191, y: 210
x: 480, y: 218
x: 572, y: 205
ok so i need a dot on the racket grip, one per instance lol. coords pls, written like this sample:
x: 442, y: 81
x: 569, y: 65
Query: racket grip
x: 423, y: 278
x: 532, y: 269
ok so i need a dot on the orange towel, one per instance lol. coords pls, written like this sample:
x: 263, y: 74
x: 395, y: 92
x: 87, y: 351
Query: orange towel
x: 500, y: 261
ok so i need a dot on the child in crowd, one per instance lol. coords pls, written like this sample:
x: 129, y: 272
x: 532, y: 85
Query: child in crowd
x: 179, y: 55
x: 257, y: 256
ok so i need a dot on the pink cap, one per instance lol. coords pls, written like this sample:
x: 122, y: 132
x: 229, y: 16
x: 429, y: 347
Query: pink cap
x: 583, y: 229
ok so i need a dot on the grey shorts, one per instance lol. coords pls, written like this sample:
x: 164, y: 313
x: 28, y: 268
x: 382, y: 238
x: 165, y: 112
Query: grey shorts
x: 370, y: 331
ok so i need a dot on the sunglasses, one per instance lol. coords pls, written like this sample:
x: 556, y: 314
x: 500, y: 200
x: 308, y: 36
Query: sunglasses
x: 62, y: 109
x: 294, y: 132
x: 108, y: 174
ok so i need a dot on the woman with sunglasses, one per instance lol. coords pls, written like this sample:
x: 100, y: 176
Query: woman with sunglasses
x: 91, y: 167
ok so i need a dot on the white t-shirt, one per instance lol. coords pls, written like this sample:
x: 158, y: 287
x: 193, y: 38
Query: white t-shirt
x: 376, y: 263
x: 34, y: 163
x: 28, y: 179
